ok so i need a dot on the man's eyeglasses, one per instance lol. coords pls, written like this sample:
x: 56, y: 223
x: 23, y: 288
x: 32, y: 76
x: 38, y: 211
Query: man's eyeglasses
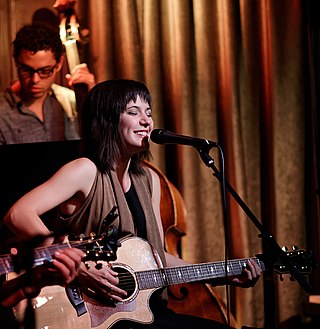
x: 27, y: 71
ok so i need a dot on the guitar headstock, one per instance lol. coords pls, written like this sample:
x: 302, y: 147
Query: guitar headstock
x: 294, y: 259
x: 103, y: 247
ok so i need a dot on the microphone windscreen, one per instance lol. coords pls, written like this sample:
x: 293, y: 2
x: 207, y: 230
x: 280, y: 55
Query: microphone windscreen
x: 156, y: 136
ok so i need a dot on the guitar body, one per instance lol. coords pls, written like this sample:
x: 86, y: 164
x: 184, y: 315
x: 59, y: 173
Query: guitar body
x: 53, y: 309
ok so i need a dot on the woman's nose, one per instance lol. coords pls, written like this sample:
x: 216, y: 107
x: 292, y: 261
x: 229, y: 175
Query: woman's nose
x: 146, y: 120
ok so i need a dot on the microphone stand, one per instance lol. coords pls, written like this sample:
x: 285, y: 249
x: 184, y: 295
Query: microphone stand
x: 274, y: 251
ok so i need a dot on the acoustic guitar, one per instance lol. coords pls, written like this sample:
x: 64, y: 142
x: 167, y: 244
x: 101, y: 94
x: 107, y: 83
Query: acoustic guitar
x: 140, y: 274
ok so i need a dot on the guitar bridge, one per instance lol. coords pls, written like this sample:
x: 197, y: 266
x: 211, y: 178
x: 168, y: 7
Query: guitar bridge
x: 75, y: 298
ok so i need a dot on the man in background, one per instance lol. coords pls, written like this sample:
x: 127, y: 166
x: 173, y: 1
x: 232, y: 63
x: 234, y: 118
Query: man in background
x: 34, y: 108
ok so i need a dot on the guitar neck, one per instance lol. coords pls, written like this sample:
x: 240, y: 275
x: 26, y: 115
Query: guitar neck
x: 192, y: 273
x: 41, y: 255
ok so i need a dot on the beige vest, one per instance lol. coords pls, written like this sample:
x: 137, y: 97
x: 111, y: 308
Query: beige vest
x: 106, y: 193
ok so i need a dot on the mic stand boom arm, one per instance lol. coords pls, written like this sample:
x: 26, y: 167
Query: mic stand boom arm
x: 275, y: 251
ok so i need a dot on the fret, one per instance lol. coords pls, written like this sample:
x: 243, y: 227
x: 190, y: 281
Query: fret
x: 193, y: 272
x: 212, y: 270
x: 44, y: 254
x: 221, y: 269
x: 210, y: 273
x: 236, y: 266
x: 216, y: 270
x: 154, y: 278
x: 5, y: 265
x: 197, y: 272
x: 240, y: 265
x: 41, y: 255
x: 144, y: 280
x: 201, y: 272
x: 151, y: 279
x: 260, y: 263
x: 176, y: 275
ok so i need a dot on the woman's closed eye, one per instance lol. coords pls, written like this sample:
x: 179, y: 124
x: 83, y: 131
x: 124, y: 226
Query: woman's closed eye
x: 132, y: 112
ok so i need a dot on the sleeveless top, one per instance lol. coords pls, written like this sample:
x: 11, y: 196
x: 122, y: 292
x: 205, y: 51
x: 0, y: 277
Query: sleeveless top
x: 137, y: 212
x: 106, y: 205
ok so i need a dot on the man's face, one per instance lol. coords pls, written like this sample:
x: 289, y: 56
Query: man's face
x: 37, y: 72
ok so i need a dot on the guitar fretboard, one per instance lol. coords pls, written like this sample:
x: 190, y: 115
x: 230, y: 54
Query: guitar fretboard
x: 192, y: 273
x: 41, y: 255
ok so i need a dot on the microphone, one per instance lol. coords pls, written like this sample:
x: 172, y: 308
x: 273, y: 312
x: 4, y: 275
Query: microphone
x: 162, y: 136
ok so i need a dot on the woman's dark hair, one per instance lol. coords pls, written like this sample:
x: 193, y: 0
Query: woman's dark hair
x: 35, y: 37
x: 101, y: 111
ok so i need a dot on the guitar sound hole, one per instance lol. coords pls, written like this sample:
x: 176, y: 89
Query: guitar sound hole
x: 126, y: 281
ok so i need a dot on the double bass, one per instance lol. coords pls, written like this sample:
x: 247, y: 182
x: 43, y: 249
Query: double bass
x: 198, y: 299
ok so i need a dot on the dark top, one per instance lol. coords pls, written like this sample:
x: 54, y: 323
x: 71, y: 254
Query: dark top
x: 137, y: 212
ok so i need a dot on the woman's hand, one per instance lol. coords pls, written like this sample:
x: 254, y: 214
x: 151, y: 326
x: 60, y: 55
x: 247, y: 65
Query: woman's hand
x: 62, y: 270
x: 99, y: 281
x: 249, y: 277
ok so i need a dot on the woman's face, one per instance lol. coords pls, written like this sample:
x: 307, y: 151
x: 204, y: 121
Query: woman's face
x: 136, y: 125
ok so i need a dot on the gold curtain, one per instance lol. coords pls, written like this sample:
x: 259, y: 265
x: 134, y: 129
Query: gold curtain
x: 232, y: 71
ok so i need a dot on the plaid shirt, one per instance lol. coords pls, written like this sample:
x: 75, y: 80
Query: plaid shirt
x: 20, y: 125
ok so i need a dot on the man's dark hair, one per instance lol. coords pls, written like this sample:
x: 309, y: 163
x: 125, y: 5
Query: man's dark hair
x: 35, y: 37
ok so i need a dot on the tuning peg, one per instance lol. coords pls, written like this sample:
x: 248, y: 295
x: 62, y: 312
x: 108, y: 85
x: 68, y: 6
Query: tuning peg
x: 284, y: 248
x: 295, y: 248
